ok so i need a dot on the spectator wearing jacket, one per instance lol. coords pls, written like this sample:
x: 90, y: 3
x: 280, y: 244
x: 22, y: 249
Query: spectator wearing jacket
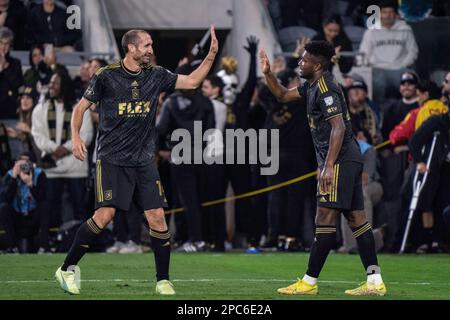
x: 52, y: 134
x: 434, y: 196
x: 47, y: 24
x: 429, y: 104
x: 290, y: 224
x: 180, y: 111
x: 363, y: 117
x: 25, y: 212
x: 10, y: 81
x: 389, y: 49
x: 22, y: 130
x: 214, y: 182
x: 13, y: 15
x: 333, y: 32
x: 396, y: 110
x: 428, y: 98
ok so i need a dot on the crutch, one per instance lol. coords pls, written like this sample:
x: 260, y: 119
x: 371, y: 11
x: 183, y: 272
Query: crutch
x: 417, y: 187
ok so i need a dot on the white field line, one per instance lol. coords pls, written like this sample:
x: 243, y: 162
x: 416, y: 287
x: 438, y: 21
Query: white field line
x: 214, y: 280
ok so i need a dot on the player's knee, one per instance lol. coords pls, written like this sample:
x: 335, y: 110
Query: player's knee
x: 156, y: 219
x: 103, y: 216
x: 356, y: 219
x: 325, y: 217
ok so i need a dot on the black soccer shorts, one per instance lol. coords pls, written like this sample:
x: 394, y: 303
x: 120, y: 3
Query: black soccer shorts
x: 346, y: 191
x: 117, y: 186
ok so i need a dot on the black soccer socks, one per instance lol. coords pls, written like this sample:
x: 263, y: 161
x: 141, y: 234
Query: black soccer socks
x: 324, y: 241
x: 366, y: 247
x: 86, y: 233
x: 160, y: 241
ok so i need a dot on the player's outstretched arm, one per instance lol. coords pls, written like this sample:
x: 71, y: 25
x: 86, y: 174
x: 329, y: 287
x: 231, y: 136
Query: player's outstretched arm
x: 78, y: 147
x: 281, y: 93
x: 195, y: 79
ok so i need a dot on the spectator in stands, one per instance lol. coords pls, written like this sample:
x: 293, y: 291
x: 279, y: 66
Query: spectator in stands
x: 290, y: 223
x: 96, y: 64
x: 389, y: 50
x: 13, y: 16
x: 333, y: 32
x: 429, y: 104
x: 81, y: 81
x: 248, y: 221
x: 214, y: 172
x: 47, y: 26
x: 25, y: 212
x: 393, y: 160
x: 434, y: 197
x: 51, y: 132
x: 22, y: 131
x: 395, y: 111
x: 364, y: 119
x: 42, y: 67
x: 10, y: 81
x: 180, y: 110
x: 39, y: 73
x: 372, y: 191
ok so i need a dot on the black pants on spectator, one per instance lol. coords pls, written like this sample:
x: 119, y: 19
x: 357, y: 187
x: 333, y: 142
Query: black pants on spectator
x: 259, y: 202
x: 239, y: 175
x: 35, y: 224
x: 77, y: 192
x: 288, y: 205
x: 392, y: 172
x: 437, y: 204
x: 214, y: 221
x: 127, y: 224
x: 188, y: 181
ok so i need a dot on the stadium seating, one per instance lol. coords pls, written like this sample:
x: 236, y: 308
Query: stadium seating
x: 288, y: 36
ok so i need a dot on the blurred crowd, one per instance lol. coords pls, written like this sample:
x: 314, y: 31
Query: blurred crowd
x: 46, y: 193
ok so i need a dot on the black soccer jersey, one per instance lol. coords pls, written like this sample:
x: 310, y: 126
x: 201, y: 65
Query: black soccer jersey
x: 127, y: 104
x: 325, y: 100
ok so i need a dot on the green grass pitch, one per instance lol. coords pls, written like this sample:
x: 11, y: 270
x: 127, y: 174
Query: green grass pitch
x: 221, y: 276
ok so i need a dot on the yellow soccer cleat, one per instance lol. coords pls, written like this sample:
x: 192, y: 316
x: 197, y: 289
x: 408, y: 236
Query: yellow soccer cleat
x: 66, y: 280
x: 165, y: 287
x: 367, y: 289
x: 301, y: 288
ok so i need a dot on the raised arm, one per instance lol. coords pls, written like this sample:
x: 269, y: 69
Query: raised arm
x: 194, y: 80
x: 281, y: 93
x: 79, y: 149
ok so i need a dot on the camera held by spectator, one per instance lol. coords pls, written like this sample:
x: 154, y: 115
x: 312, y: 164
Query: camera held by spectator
x: 25, y: 214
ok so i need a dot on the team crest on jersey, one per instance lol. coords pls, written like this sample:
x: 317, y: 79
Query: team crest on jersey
x: 108, y: 195
x: 328, y: 101
x: 89, y: 91
x: 134, y: 90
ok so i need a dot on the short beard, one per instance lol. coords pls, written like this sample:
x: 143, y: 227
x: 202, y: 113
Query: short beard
x: 305, y: 76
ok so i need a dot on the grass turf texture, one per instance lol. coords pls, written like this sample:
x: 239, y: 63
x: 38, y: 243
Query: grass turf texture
x: 221, y: 276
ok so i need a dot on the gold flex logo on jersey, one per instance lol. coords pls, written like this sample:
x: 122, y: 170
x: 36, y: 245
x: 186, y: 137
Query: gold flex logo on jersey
x: 134, y: 109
